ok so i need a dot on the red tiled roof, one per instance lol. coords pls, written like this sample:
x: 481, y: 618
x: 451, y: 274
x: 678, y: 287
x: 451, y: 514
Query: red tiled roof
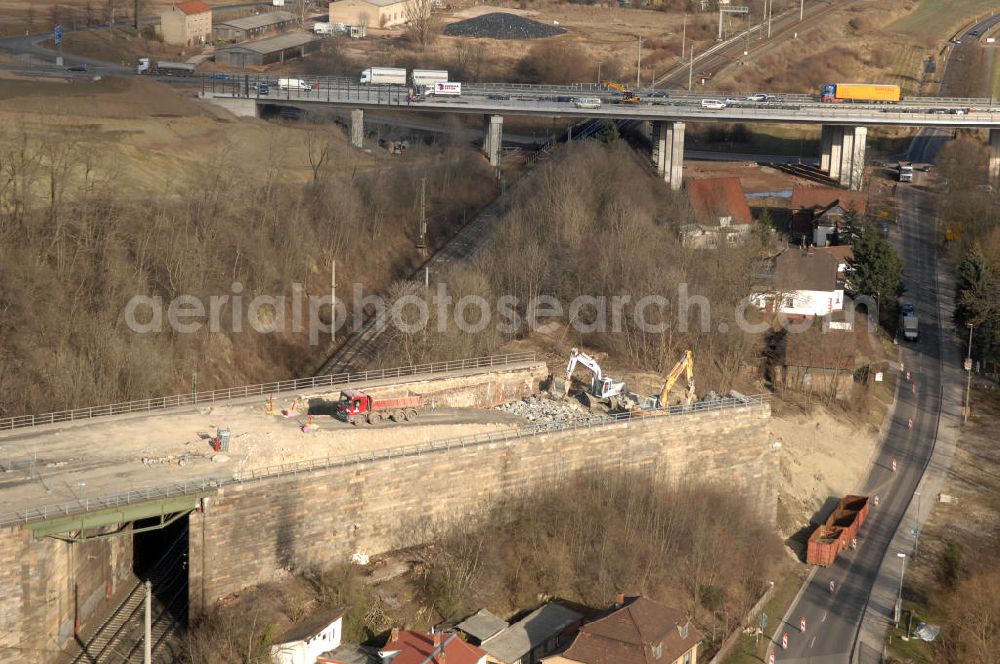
x: 719, y: 197
x: 630, y: 634
x: 819, y: 198
x: 420, y: 648
x: 193, y: 7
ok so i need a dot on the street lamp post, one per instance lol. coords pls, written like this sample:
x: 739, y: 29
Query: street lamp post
x: 899, y: 598
x: 968, y: 379
x: 916, y: 529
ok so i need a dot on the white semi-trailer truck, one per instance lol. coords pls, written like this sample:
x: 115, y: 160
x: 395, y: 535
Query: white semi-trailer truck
x: 383, y: 76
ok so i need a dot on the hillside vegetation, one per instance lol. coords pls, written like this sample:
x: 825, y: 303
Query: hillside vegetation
x: 90, y: 218
x: 596, y: 222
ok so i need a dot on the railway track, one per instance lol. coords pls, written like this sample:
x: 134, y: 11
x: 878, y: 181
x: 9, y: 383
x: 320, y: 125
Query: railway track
x: 782, y: 27
x: 362, y: 347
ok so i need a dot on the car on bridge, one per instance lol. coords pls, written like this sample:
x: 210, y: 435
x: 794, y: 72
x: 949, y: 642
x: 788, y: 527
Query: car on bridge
x: 587, y: 102
x: 713, y: 104
x: 757, y: 97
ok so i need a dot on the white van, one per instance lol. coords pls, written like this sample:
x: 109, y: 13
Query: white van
x: 293, y: 84
x: 587, y: 102
x: 714, y: 104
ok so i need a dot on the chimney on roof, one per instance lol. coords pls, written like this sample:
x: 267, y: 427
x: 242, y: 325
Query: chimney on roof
x: 394, y: 634
x: 619, y: 600
x: 436, y: 638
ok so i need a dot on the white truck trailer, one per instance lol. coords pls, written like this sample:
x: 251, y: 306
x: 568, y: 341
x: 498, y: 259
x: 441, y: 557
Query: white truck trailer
x: 383, y: 76
x: 428, y: 77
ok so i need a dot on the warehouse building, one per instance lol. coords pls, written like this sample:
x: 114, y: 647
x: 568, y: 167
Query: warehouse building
x: 268, y: 50
x: 186, y: 23
x: 373, y: 13
x: 251, y: 27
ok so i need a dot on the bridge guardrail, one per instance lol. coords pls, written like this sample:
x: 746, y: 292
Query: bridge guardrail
x: 228, y: 394
x: 84, y: 505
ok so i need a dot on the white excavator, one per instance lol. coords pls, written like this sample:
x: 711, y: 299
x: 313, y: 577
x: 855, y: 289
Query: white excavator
x: 685, y: 366
x: 602, y: 388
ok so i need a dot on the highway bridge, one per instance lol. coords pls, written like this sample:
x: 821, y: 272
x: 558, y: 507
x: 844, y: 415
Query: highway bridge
x: 844, y: 126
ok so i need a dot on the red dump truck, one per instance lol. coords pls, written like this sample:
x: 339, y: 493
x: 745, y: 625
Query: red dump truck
x: 357, y: 407
x: 840, y: 529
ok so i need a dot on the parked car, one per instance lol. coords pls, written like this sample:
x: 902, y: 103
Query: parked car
x: 757, y: 97
x: 729, y: 101
x: 659, y: 94
x: 714, y: 104
x: 587, y: 102
x: 79, y: 67
x: 908, y: 309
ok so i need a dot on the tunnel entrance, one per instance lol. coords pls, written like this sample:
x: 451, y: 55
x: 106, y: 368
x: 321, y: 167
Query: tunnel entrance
x: 160, y: 555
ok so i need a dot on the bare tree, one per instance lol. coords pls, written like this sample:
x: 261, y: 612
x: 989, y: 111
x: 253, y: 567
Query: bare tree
x: 318, y: 148
x: 422, y: 22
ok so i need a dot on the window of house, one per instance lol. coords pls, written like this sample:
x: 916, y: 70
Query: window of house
x: 789, y: 302
x: 687, y: 657
x: 658, y: 650
x: 732, y: 238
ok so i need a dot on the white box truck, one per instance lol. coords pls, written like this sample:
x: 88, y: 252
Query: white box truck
x: 324, y: 29
x: 293, y: 84
x: 911, y: 327
x: 383, y: 76
x: 905, y: 171
x: 419, y: 77
x: 446, y: 89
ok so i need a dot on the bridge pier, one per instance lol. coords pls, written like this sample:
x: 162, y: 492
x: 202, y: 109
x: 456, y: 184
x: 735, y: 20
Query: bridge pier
x: 994, y: 165
x: 668, y: 151
x: 357, y: 127
x: 493, y: 138
x: 843, y: 154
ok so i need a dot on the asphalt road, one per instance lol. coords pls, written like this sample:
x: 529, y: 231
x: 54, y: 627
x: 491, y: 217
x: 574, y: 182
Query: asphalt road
x: 864, y: 580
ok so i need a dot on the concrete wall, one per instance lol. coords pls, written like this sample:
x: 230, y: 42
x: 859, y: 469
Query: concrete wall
x: 47, y: 585
x: 322, y: 517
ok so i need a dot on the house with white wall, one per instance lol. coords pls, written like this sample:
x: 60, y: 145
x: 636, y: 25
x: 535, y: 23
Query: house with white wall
x: 303, y: 644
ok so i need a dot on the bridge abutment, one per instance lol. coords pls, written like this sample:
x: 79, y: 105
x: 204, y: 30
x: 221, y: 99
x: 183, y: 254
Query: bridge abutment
x: 493, y: 138
x: 994, y: 164
x: 668, y: 151
x: 357, y: 127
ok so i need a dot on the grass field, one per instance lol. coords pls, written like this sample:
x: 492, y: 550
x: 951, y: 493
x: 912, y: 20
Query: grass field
x: 942, y: 18
x: 752, y: 650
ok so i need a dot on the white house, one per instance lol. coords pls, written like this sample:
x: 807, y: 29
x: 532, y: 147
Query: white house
x: 302, y: 645
x: 805, y: 282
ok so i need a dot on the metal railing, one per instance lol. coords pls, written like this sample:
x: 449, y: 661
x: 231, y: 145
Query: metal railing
x: 230, y: 393
x: 84, y: 505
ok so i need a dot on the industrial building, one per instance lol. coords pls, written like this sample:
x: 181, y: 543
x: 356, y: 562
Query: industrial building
x: 251, y: 27
x: 186, y: 23
x: 268, y: 50
x: 372, y: 13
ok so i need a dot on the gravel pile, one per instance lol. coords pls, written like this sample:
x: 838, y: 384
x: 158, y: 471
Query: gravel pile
x: 544, y: 409
x: 500, y: 25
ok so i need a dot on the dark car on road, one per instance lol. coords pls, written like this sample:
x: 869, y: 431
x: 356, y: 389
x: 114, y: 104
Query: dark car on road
x: 80, y: 67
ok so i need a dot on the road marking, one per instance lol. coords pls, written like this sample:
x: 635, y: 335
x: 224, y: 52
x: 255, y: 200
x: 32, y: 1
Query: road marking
x: 812, y: 642
x: 823, y: 619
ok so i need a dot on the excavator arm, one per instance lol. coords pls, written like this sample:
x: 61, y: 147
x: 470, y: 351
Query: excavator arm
x: 684, y: 366
x: 601, y: 385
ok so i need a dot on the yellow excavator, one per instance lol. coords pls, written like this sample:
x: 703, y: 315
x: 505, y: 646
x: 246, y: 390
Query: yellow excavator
x: 628, y: 97
x: 684, y: 366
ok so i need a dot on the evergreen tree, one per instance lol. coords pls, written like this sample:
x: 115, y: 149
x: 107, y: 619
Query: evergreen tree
x: 875, y: 270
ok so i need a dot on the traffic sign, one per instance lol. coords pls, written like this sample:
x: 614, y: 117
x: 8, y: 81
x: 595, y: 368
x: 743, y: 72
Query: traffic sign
x: 802, y: 624
x: 770, y: 658
x: 968, y: 364
x: 58, y: 34
x: 763, y: 620
x: 832, y: 586
x: 784, y: 641
x: 876, y: 501
x: 894, y: 464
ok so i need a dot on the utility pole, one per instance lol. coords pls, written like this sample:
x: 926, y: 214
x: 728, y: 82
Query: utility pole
x: 691, y: 69
x: 638, y: 65
x: 802, y: 7
x: 968, y: 380
x: 147, y: 640
x: 684, y: 32
x: 333, y: 301
x: 770, y: 6
x: 422, y: 240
